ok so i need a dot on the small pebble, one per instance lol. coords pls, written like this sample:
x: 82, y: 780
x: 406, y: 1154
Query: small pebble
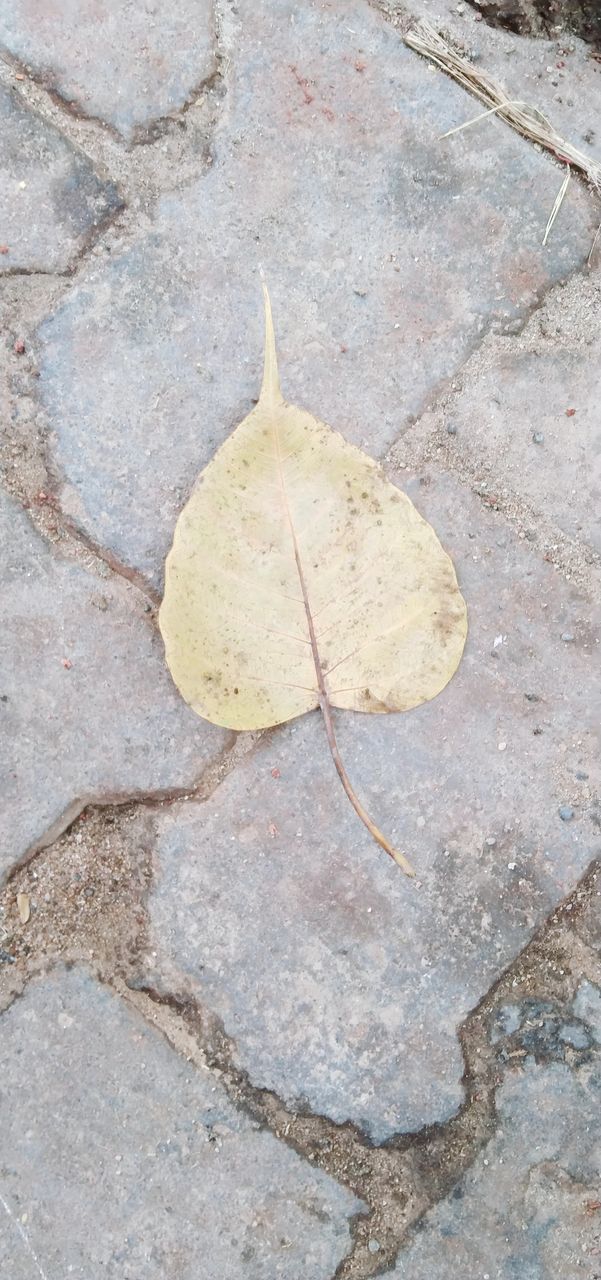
x: 490, y: 841
x: 451, y: 429
x: 566, y: 812
x: 567, y: 637
x: 19, y: 347
x: 532, y: 697
x: 582, y: 777
x: 538, y: 437
x: 374, y: 1246
x: 502, y: 746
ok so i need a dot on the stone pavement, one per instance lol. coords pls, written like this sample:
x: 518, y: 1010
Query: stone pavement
x: 236, y: 1041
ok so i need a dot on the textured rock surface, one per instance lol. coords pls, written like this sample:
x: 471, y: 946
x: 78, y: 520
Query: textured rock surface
x: 87, y: 705
x: 326, y: 171
x: 416, y: 307
x: 525, y: 416
x: 529, y: 1205
x: 127, y: 63
x: 119, y: 1158
x: 274, y: 887
x: 51, y: 200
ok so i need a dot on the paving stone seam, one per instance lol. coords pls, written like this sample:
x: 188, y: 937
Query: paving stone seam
x: 108, y: 219
x: 412, y: 1160
x: 576, y: 561
x: 142, y: 135
x: 554, y: 544
x: 80, y: 255
x: 495, y: 329
x: 67, y: 541
x: 138, y: 171
x: 71, y: 527
x: 401, y: 452
x: 400, y: 1180
x: 573, y: 558
x: 238, y: 746
x: 41, y: 500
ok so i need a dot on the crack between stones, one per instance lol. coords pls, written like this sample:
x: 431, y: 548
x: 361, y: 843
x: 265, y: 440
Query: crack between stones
x: 575, y: 558
x: 406, y: 1176
x: 577, y: 561
x: 401, y: 18
x: 71, y: 533
x: 52, y: 523
x: 107, y: 557
x: 142, y: 135
x: 494, y: 329
x: 238, y: 746
x: 10, y: 273
x: 398, y: 1181
x: 76, y: 538
x: 402, y: 1179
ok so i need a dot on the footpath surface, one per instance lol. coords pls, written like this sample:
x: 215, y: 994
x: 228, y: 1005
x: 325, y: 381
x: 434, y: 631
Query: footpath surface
x: 235, y: 1040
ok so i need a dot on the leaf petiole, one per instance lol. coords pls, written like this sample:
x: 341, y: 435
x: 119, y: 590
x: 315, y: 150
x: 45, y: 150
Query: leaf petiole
x: 374, y: 831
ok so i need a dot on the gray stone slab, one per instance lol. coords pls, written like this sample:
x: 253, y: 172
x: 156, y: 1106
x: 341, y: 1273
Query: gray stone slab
x: 340, y: 981
x: 528, y: 1207
x: 129, y: 64
x: 387, y: 255
x: 87, y: 706
x: 51, y: 200
x: 16, y: 1259
x: 526, y: 417
x: 121, y: 1159
x: 587, y: 1005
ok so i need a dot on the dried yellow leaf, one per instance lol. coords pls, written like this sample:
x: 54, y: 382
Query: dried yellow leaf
x: 301, y: 577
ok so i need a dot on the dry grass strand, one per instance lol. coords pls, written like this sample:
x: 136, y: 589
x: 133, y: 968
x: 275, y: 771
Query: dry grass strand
x: 525, y: 119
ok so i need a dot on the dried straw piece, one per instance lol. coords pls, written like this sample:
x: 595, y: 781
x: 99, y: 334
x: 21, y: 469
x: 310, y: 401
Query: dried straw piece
x: 557, y: 206
x: 526, y: 120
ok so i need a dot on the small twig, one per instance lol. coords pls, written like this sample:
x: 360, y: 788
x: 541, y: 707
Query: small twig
x: 374, y: 831
x: 593, y: 246
x: 483, y: 114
